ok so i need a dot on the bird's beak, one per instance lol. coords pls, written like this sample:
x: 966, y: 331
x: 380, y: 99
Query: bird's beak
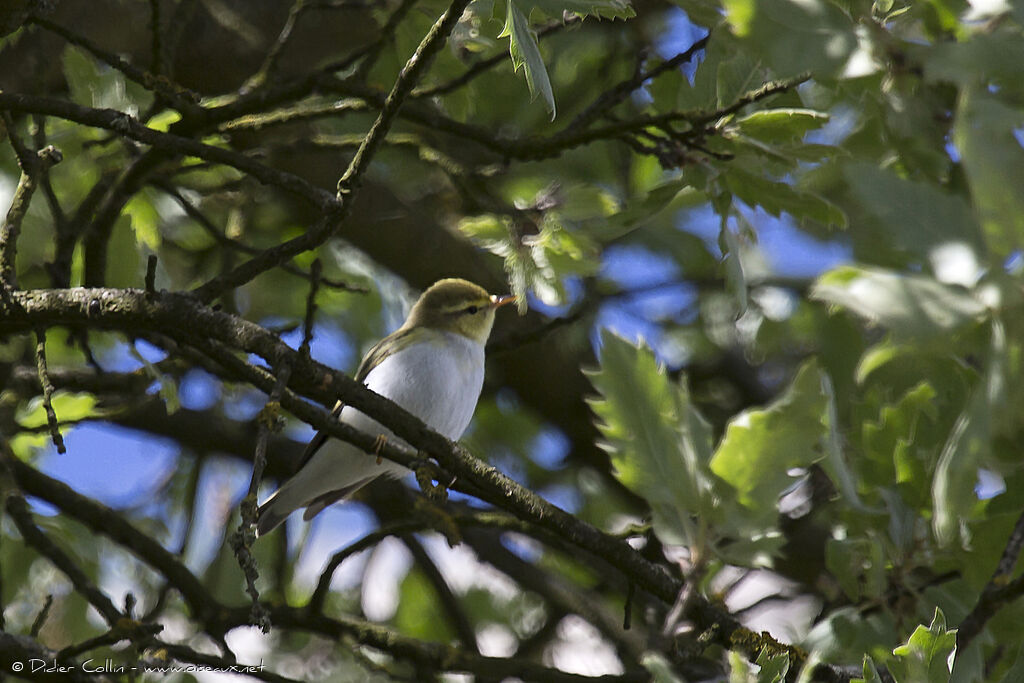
x: 497, y: 301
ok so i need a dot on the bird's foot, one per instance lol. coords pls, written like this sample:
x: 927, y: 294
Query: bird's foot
x: 378, y: 445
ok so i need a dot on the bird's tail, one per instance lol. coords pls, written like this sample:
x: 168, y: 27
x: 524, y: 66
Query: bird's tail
x: 278, y: 506
x: 271, y: 514
x: 284, y: 501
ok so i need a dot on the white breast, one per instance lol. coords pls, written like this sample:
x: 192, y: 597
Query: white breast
x: 438, y: 381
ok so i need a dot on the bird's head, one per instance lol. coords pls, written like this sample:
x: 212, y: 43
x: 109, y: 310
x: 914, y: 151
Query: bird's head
x: 455, y: 305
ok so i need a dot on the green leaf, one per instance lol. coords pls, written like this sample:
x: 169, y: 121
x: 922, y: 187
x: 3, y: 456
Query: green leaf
x: 774, y: 667
x: 776, y: 197
x: 889, y: 441
x: 969, y: 446
x: 910, y: 306
x: 858, y: 565
x: 870, y: 672
x: 537, y: 262
x: 818, y: 36
x: 658, y: 441
x: 418, y: 610
x: 525, y: 53
x: 736, y: 75
x: 781, y: 125
x: 926, y: 655
x: 915, y: 216
x: 145, y: 220
x: 984, y: 133
x: 735, y: 280
x: 70, y: 407
x: 761, y: 445
x: 659, y: 668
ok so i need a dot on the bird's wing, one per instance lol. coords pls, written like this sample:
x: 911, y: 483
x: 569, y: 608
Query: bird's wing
x: 372, y: 359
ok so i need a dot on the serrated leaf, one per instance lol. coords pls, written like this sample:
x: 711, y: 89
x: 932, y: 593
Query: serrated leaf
x: 659, y: 443
x: 910, y: 306
x: 776, y: 197
x: 926, y: 654
x: 736, y: 76
x: 761, y: 445
x: 525, y: 53
x: 781, y: 125
x: 774, y: 667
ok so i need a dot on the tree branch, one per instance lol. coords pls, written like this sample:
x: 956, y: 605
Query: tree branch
x: 998, y: 592
x: 407, y: 79
x: 128, y: 126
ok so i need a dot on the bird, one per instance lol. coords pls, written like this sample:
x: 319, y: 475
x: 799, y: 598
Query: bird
x: 432, y: 366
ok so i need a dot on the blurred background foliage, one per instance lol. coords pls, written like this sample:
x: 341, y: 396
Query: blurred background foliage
x: 771, y: 256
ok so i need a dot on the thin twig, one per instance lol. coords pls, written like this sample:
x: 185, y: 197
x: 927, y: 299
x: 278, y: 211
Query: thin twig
x: 407, y: 79
x: 47, y: 385
x: 485, y: 65
x: 334, y: 212
x: 33, y: 165
x: 40, y: 620
x: 387, y: 33
x: 611, y: 97
x: 270, y: 63
x: 208, y: 225
x: 308, y: 321
x: 449, y: 602
x: 241, y: 540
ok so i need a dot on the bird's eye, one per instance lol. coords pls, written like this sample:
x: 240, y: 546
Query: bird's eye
x: 472, y: 309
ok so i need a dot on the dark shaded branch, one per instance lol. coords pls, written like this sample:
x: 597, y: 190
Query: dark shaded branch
x: 449, y: 602
x: 407, y: 79
x: 16, y: 651
x: 429, y: 656
x: 622, y: 90
x: 387, y: 33
x: 111, y: 524
x: 998, y: 592
x: 128, y: 126
x: 180, y: 97
x: 211, y: 228
x: 17, y: 508
x: 270, y: 62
